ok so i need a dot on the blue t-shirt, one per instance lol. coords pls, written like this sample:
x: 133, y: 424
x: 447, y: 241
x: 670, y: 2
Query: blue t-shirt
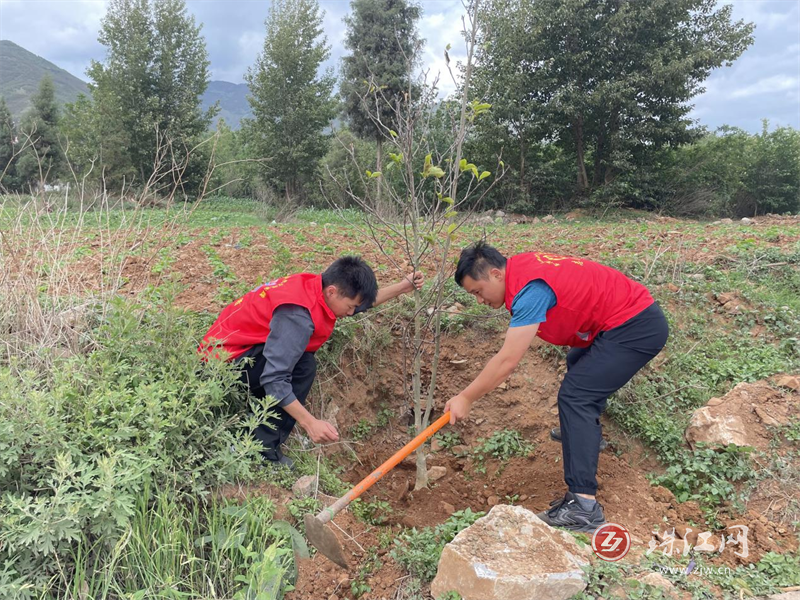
x: 531, y: 304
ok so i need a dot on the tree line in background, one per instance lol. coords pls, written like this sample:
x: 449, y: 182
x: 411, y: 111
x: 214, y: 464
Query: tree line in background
x: 589, y: 107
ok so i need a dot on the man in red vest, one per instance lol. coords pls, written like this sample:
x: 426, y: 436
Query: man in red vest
x: 280, y: 325
x: 614, y: 328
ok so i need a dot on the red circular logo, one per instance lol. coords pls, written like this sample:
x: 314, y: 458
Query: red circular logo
x: 611, y: 541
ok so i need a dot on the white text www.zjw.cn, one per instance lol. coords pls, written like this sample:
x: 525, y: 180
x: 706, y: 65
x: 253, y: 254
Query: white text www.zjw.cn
x: 694, y: 571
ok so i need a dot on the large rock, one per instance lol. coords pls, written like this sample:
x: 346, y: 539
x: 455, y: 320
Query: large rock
x: 742, y: 416
x: 510, y: 554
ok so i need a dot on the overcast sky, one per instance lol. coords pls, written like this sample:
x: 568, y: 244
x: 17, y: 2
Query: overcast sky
x: 763, y: 83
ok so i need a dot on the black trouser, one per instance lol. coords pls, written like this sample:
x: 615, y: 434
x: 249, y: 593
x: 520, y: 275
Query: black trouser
x: 593, y: 374
x: 276, y: 431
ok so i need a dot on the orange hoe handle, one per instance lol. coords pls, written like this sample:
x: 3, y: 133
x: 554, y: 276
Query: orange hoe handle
x: 328, y: 513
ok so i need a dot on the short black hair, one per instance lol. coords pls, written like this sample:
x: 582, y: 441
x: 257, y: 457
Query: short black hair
x: 353, y: 277
x: 476, y: 260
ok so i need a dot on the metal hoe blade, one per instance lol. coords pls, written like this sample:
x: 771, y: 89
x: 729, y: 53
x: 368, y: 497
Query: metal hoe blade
x: 324, y: 540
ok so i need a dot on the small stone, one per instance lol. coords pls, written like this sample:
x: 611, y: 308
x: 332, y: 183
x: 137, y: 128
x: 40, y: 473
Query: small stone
x: 479, y: 421
x: 719, y: 430
x: 500, y: 214
x: 548, y: 219
x: 448, y: 508
x: 765, y: 417
x: 493, y: 501
x: 789, y: 381
x: 436, y: 473
x: 402, y: 491
x: 503, y: 386
x: 305, y: 486
x: 436, y: 445
x: 657, y: 580
x: 672, y: 287
x: 697, y: 276
x: 726, y: 221
x: 746, y: 221
x: 313, y: 224
x: 460, y: 449
x: 333, y: 597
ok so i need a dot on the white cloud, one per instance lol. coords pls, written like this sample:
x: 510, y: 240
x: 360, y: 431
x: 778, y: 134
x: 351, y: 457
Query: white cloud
x: 763, y: 82
x: 440, y: 29
x: 768, y: 85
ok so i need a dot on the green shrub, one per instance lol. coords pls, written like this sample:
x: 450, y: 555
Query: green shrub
x: 80, y: 443
x: 707, y: 475
x: 419, y: 551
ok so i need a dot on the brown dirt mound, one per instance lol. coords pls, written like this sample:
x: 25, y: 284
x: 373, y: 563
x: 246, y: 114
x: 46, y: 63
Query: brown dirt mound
x: 528, y: 404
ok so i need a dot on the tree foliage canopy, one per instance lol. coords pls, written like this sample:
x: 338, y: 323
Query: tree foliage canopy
x: 148, y: 89
x: 609, y: 80
x: 292, y: 104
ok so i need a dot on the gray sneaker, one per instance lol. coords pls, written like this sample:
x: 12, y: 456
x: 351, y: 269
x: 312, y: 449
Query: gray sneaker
x: 570, y: 514
x: 555, y: 435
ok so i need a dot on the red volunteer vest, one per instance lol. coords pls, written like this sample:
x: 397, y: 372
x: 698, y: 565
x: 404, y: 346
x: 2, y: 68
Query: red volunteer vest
x: 590, y: 297
x: 245, y: 322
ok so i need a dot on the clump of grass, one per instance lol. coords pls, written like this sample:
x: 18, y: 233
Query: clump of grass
x: 419, y: 550
x: 501, y: 445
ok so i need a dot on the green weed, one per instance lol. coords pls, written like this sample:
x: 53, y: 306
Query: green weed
x: 419, y: 550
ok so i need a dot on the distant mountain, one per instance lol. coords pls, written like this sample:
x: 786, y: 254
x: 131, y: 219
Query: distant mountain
x: 232, y: 99
x: 20, y: 74
x: 21, y: 71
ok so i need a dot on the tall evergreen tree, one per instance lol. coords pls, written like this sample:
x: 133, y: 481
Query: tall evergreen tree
x: 609, y: 81
x: 148, y: 89
x: 292, y: 103
x: 8, y: 135
x: 383, y: 40
x: 42, y: 159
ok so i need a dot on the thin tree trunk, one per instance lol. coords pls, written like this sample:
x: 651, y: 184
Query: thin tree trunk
x: 421, y: 420
x: 599, y: 151
x: 583, y: 181
x: 523, y: 188
x: 379, y: 181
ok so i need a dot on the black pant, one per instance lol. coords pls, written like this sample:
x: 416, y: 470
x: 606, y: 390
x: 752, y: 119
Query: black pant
x: 593, y: 374
x: 276, y: 431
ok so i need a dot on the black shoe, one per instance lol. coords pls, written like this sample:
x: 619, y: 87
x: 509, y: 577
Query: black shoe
x: 570, y: 514
x: 555, y: 435
x: 278, y: 458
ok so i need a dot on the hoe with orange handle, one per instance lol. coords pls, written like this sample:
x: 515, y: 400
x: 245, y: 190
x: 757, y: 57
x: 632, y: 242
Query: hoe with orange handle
x: 320, y: 536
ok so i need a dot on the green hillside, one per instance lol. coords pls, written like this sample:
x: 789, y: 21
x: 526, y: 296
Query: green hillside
x: 20, y: 74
